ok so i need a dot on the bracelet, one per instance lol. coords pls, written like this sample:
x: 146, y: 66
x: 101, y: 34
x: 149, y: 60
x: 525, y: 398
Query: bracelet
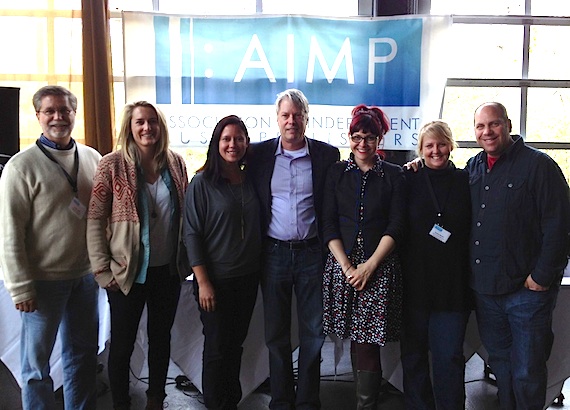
x: 347, y: 269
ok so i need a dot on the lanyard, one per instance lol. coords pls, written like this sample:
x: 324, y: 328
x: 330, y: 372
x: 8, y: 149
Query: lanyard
x: 436, y: 204
x: 71, y: 179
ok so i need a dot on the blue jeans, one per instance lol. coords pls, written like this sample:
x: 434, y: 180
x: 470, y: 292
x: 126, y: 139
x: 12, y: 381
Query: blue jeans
x: 160, y: 293
x: 301, y: 270
x: 516, y: 331
x: 225, y: 330
x: 71, y: 307
x: 442, y: 333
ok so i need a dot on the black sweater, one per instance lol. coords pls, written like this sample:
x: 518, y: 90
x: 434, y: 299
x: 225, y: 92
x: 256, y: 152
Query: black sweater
x: 436, y: 274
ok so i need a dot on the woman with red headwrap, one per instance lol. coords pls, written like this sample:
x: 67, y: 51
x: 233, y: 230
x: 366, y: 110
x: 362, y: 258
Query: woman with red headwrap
x: 363, y: 220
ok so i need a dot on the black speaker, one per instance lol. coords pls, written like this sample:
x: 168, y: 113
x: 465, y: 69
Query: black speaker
x: 9, y: 120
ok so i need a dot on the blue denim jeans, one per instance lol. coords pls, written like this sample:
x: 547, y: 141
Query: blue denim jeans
x: 284, y: 271
x: 225, y: 330
x: 516, y: 331
x: 160, y: 293
x: 71, y: 307
x: 442, y: 333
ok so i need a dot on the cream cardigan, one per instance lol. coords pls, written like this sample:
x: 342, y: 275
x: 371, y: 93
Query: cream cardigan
x: 41, y: 239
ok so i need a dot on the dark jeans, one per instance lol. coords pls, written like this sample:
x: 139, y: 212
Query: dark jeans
x: 160, y: 293
x: 442, y: 333
x: 516, y: 331
x: 225, y: 330
x: 285, y: 270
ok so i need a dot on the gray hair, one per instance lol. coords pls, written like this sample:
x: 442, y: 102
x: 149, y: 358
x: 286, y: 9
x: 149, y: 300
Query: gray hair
x: 297, y: 98
x: 49, y: 90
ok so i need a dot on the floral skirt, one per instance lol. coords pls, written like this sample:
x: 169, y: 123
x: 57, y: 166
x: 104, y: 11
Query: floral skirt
x: 372, y: 315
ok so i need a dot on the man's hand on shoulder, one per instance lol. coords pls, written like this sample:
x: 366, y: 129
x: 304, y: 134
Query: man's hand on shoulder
x: 27, y: 306
x: 414, y: 164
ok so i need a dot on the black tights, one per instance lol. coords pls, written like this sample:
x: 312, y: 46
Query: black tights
x: 367, y: 356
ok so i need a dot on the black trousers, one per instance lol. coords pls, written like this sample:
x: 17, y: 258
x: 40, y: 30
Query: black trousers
x: 225, y: 330
x: 160, y: 293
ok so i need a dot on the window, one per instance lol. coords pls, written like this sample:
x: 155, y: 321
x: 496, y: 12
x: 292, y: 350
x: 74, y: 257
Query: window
x: 41, y: 44
x: 509, y: 51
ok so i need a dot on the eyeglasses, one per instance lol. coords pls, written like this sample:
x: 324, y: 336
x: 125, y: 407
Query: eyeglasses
x: 357, y: 139
x: 62, y: 112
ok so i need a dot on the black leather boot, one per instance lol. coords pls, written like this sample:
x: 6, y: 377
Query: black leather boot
x: 367, y: 390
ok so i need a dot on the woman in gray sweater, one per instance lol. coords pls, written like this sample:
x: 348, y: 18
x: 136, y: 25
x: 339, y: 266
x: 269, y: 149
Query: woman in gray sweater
x: 223, y: 238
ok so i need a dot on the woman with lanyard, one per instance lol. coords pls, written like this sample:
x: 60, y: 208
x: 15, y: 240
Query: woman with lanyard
x: 363, y: 215
x: 437, y: 299
x: 132, y: 237
x: 223, y: 236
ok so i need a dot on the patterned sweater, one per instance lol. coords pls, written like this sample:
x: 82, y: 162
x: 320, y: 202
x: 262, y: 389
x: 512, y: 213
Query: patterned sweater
x: 113, y: 220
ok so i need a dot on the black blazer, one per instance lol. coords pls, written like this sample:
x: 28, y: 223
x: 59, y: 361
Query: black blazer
x: 384, y: 208
x: 260, y: 166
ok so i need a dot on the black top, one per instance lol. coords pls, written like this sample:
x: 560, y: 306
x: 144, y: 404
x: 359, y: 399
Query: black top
x: 382, y: 204
x: 221, y: 227
x: 521, y: 220
x: 436, y: 274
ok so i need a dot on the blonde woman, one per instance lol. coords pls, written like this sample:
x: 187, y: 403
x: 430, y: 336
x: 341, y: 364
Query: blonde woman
x: 132, y: 236
x: 437, y: 299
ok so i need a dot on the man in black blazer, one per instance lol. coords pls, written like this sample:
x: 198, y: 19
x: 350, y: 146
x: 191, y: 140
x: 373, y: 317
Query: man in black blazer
x: 289, y: 175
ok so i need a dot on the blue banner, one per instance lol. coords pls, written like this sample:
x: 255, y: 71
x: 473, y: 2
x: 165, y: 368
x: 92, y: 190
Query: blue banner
x: 244, y: 62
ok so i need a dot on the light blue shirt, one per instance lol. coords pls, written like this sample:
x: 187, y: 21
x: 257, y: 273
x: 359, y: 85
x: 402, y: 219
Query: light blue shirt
x: 292, y: 207
x: 144, y: 216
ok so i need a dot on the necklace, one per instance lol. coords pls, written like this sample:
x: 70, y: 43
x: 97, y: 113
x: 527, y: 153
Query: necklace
x: 152, y: 199
x: 240, y: 201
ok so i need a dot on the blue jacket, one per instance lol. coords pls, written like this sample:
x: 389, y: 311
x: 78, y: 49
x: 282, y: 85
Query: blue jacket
x: 521, y: 220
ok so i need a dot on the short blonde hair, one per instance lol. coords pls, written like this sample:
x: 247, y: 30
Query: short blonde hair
x: 440, y: 131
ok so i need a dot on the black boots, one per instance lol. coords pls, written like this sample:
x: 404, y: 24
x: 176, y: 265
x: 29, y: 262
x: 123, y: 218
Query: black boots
x: 367, y: 389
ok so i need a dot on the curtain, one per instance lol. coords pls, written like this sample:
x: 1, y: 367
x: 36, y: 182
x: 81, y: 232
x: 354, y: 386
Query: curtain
x: 97, y: 76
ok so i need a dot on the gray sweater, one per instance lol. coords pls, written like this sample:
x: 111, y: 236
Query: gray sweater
x: 214, y: 215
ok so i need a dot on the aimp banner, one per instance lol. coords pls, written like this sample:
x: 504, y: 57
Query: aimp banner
x: 199, y: 69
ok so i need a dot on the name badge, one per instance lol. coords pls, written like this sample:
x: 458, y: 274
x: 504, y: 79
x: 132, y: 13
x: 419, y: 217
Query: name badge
x: 77, y: 208
x: 440, y: 233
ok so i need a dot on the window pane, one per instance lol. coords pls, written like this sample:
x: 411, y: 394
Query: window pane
x: 23, y: 5
x: 67, y: 4
x: 32, y: 39
x: 116, y: 33
x: 548, y: 118
x: 555, y: 8
x: 68, y: 46
x: 547, y: 59
x: 479, y: 7
x: 345, y: 8
x: 130, y: 5
x: 460, y: 104
x: 485, y: 51
x: 208, y: 7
